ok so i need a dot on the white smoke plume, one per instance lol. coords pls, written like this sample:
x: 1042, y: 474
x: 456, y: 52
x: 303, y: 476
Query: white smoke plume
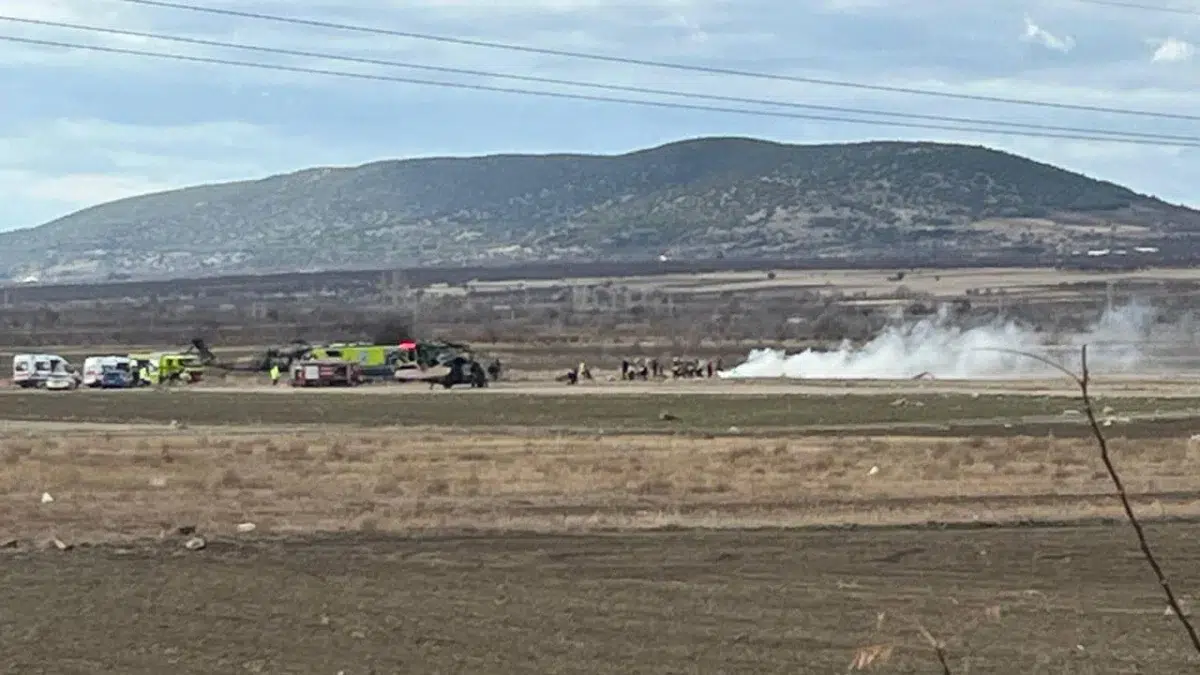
x: 1119, y: 342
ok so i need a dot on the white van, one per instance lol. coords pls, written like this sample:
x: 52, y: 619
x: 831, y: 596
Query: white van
x: 94, y: 368
x: 33, y: 370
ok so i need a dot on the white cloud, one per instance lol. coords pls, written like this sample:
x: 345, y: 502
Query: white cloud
x: 1035, y: 33
x: 1173, y: 50
x: 79, y: 127
x: 852, y: 6
x: 49, y: 10
x: 63, y: 165
x: 78, y: 190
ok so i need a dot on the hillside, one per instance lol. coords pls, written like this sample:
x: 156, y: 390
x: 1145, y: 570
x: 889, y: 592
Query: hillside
x: 700, y: 198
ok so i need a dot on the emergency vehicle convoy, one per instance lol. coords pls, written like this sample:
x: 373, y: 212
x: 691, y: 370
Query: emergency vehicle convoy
x: 300, y: 365
x: 51, y: 371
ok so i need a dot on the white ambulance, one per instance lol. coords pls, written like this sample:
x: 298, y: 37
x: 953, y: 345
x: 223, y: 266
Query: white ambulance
x: 34, y: 370
x: 94, y: 368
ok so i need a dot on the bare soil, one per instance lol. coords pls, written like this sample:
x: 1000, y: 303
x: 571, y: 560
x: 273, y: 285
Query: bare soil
x: 1031, y: 601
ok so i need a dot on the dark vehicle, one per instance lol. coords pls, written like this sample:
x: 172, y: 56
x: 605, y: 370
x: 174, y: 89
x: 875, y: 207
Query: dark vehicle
x: 115, y: 379
x: 459, y: 370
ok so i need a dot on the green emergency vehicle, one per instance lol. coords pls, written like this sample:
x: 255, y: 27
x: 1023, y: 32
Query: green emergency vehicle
x: 374, y: 360
x: 163, y: 367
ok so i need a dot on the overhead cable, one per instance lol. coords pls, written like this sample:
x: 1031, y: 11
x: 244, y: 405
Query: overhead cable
x: 1122, y: 4
x: 588, y: 97
x: 313, y: 23
x: 601, y: 86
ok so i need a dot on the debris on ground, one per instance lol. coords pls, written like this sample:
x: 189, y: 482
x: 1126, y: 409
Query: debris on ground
x: 667, y: 417
x: 195, y: 544
x: 246, y: 527
x: 46, y: 498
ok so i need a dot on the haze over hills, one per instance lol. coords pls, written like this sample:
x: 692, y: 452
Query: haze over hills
x: 699, y: 198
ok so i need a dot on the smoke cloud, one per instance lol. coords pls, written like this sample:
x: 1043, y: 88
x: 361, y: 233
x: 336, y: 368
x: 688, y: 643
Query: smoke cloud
x: 1124, y: 339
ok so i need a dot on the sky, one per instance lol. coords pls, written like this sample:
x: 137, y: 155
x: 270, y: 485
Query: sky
x: 78, y: 128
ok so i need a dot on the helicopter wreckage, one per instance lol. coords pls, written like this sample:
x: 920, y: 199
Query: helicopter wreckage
x: 434, y: 362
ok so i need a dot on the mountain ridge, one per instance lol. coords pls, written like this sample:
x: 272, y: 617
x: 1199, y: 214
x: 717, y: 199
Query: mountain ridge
x: 701, y: 197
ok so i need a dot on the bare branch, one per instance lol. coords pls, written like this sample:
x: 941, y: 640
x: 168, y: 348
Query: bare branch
x: 1119, y: 485
x: 939, y: 650
x: 1053, y: 364
x: 1083, y: 380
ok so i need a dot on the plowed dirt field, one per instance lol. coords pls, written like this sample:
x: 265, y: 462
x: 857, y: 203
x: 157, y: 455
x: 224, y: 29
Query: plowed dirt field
x: 1005, y: 601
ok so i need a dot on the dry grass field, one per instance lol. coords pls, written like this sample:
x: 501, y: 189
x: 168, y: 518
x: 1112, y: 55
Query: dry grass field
x: 734, y: 527
x: 437, y: 549
x: 134, y: 482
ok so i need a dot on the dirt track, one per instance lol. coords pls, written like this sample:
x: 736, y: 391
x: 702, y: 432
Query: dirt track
x: 517, y: 410
x: 1184, y: 383
x: 1027, y: 601
x: 1158, y: 387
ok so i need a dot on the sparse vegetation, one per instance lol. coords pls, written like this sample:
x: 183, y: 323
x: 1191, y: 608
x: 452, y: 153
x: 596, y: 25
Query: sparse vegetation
x: 530, y: 528
x: 605, y: 411
x: 699, y: 198
x: 436, y: 479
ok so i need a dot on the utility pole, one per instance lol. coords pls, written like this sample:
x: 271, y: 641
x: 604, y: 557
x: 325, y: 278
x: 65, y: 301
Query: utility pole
x: 393, y: 287
x: 581, y: 298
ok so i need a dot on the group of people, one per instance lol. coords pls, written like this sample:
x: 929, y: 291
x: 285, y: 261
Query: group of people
x: 580, y: 372
x: 644, y: 369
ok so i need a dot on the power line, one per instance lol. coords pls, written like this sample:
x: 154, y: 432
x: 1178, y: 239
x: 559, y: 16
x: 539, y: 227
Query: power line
x: 661, y: 64
x: 601, y: 86
x: 588, y: 97
x: 1120, y: 4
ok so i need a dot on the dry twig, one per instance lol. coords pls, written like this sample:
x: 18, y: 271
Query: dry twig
x: 1083, y: 380
x: 939, y: 650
